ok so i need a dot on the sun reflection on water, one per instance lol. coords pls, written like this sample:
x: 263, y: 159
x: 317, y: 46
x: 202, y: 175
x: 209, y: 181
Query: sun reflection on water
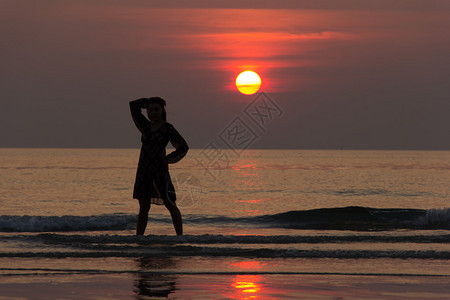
x: 247, y: 286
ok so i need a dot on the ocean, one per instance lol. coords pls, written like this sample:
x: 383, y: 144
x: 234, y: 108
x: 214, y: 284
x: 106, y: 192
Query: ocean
x: 258, y: 224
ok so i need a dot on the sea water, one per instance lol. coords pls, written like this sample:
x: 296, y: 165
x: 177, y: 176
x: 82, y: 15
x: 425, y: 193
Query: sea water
x: 257, y: 213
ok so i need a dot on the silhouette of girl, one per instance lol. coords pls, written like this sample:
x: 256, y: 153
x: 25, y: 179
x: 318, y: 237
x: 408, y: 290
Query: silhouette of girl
x: 153, y: 183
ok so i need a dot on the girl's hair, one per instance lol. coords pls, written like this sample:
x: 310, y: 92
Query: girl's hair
x: 161, y: 103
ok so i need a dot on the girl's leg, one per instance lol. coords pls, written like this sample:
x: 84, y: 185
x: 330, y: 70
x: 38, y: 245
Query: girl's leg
x: 175, y: 214
x: 144, y: 208
x: 171, y: 206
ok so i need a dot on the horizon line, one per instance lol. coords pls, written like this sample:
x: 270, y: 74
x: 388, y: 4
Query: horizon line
x: 228, y: 149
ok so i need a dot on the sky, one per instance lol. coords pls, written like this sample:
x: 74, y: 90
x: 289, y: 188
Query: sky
x: 351, y: 74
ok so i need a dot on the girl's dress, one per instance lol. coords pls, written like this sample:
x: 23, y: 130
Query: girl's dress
x: 152, y: 176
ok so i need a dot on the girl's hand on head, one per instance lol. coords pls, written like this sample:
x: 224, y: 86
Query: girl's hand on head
x: 144, y: 102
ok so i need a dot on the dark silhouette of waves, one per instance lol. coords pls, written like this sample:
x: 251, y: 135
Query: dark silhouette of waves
x: 342, y: 218
x: 346, y: 218
x: 361, y: 218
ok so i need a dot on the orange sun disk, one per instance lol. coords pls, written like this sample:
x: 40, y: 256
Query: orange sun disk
x: 248, y: 82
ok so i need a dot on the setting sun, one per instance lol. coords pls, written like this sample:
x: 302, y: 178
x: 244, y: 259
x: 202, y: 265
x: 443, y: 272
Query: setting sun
x: 248, y: 82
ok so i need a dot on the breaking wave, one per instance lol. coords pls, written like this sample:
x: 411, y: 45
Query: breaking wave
x: 345, y: 218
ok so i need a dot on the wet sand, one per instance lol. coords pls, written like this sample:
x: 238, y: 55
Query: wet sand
x: 235, y: 286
